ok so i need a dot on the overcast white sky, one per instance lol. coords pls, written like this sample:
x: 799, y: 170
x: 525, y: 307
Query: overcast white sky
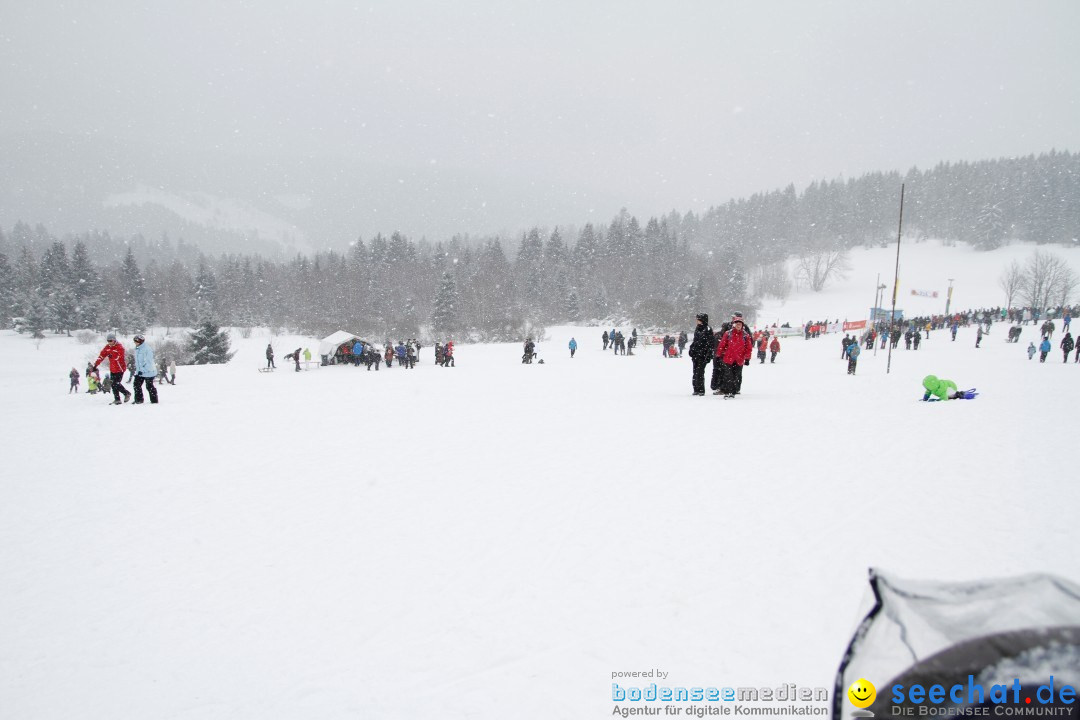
x: 649, y: 105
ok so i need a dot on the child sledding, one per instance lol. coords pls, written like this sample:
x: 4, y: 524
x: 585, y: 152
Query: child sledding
x: 938, y: 389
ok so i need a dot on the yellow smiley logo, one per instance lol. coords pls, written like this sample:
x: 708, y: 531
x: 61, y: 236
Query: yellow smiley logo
x: 861, y: 693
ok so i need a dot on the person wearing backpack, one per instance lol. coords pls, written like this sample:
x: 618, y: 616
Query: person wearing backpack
x: 853, y: 357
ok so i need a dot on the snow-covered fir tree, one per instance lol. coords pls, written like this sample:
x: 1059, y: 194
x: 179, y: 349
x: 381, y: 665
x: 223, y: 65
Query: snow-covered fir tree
x: 444, y: 317
x: 58, y: 289
x: 7, y: 291
x: 87, y: 287
x: 209, y: 344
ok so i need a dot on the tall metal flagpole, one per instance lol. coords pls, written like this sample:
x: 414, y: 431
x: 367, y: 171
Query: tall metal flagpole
x: 896, y: 278
x: 873, y: 312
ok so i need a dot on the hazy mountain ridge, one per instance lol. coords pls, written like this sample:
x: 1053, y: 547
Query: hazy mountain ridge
x: 228, y: 202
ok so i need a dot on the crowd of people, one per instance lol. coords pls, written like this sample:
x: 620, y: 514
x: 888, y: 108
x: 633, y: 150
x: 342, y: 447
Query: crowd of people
x: 405, y: 353
x: 141, y: 365
x: 618, y: 342
x: 914, y: 330
x: 729, y: 350
x: 674, y: 345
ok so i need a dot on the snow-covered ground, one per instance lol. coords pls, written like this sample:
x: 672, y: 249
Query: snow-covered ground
x: 925, y: 266
x: 495, y: 539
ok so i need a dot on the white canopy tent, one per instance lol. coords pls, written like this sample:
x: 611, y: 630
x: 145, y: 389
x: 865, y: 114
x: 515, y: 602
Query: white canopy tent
x: 329, y: 344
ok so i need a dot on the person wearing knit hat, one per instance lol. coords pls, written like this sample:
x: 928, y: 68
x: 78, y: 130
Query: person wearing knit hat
x: 701, y: 350
x: 114, y: 353
x: 733, y: 350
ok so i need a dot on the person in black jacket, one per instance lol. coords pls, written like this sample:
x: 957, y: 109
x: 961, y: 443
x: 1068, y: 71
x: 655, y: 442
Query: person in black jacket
x: 701, y: 351
x: 717, y: 366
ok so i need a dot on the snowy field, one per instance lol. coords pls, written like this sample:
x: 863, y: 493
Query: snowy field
x: 495, y: 539
x: 925, y: 266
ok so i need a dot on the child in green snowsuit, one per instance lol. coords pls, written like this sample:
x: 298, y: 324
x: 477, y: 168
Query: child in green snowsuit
x: 942, y: 389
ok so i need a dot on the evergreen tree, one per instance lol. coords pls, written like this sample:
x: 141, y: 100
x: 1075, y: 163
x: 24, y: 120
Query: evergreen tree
x: 57, y: 289
x: 36, y: 316
x: 572, y: 310
x: 26, y: 290
x: 445, y: 317
x: 7, y: 292
x: 204, y: 293
x: 87, y: 286
x: 493, y: 291
x: 134, y: 310
x: 209, y: 344
x: 733, y: 286
x: 555, y: 278
x: 529, y: 271
x: 990, y: 231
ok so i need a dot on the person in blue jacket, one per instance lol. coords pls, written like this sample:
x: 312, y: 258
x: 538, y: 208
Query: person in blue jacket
x: 145, y: 370
x: 1044, y: 349
x: 402, y: 354
x: 357, y: 352
x: 573, y: 347
x: 852, y: 357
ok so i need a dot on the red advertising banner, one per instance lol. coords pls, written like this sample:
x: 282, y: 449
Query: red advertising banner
x: 857, y: 325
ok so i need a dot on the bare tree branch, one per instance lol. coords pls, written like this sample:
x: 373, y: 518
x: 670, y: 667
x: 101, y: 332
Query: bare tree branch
x: 818, y: 267
x: 1011, y: 281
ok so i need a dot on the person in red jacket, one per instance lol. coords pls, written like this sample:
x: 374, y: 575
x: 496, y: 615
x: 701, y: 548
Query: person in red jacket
x: 762, y: 346
x: 114, y: 351
x: 733, y: 351
x: 774, y: 348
